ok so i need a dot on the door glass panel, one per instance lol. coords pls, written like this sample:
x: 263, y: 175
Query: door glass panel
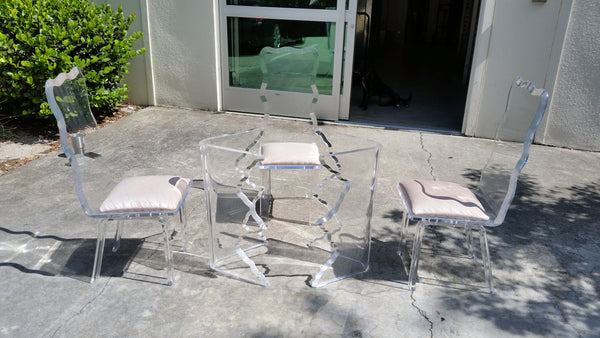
x: 247, y: 37
x: 312, y: 4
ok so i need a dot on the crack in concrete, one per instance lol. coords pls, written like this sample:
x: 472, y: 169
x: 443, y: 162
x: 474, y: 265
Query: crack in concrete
x: 556, y: 303
x: 421, y: 312
x: 81, y: 309
x: 428, y: 157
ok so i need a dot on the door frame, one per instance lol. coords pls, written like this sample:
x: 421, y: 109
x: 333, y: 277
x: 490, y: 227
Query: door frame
x: 330, y: 107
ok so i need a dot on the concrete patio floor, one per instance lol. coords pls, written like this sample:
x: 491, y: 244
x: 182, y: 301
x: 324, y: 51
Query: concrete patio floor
x: 546, y: 256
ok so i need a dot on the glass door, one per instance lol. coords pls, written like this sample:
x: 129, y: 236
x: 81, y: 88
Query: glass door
x: 247, y: 26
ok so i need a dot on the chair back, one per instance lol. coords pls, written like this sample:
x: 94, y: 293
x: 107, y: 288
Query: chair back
x: 288, y: 69
x: 68, y: 99
x: 524, y: 111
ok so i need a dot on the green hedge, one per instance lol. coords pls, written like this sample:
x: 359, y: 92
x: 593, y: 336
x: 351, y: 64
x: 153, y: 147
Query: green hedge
x: 41, y: 38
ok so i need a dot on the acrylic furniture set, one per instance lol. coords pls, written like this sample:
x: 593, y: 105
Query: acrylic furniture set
x: 307, y: 198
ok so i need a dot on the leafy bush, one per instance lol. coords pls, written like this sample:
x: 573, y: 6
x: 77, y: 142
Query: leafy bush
x: 41, y: 38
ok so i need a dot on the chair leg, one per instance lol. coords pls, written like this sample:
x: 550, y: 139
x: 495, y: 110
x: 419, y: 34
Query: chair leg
x: 266, y: 200
x: 403, y: 232
x: 187, y: 243
x: 118, y: 233
x: 471, y: 252
x: 99, y: 251
x: 168, y: 253
x: 414, y: 264
x: 485, y: 254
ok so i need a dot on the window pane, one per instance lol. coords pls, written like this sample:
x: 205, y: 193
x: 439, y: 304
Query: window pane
x: 247, y: 37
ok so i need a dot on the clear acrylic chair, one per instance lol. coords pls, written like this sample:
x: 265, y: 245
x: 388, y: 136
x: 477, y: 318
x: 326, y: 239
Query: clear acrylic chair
x: 446, y: 203
x: 288, y: 69
x: 328, y: 180
x: 94, y: 167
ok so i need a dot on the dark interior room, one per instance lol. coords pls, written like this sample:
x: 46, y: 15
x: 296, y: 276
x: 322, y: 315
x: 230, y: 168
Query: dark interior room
x: 412, y: 62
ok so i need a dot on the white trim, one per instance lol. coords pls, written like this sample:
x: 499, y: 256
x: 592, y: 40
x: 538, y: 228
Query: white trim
x: 216, y: 20
x: 150, y: 86
x: 242, y: 99
x: 478, y: 66
x: 554, y: 62
x: 322, y: 15
x: 339, y: 48
x: 350, y: 18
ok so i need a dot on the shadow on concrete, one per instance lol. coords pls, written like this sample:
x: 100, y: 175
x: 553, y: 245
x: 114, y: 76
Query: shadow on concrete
x: 554, y: 240
x: 74, y: 257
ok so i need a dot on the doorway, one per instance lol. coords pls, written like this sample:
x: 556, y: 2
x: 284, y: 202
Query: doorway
x: 419, y: 51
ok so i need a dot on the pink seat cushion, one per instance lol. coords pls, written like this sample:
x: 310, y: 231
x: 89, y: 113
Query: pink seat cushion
x: 146, y: 194
x: 290, y: 153
x: 438, y: 199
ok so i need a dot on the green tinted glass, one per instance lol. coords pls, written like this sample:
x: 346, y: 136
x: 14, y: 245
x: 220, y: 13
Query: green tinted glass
x: 248, y: 36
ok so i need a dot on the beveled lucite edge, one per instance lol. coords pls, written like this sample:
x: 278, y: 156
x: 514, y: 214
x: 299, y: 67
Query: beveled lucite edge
x: 60, y: 78
x: 317, y: 283
x: 238, y: 132
x: 288, y: 166
x: 207, y: 143
x: 544, y: 98
x: 261, y: 279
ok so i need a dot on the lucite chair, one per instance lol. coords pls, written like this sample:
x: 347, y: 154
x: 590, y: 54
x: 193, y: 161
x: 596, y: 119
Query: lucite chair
x: 288, y: 69
x: 446, y: 203
x: 159, y: 197
x: 324, y: 184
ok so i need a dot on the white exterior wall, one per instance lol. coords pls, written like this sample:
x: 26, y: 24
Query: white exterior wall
x: 183, y: 53
x: 138, y: 78
x: 554, y: 44
x: 574, y: 116
x: 515, y: 38
x: 179, y: 67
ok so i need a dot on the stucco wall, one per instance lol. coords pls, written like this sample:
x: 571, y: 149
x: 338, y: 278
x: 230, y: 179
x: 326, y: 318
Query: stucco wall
x: 574, y: 115
x: 555, y: 44
x: 519, y: 40
x: 138, y: 78
x: 179, y: 67
x: 183, y: 53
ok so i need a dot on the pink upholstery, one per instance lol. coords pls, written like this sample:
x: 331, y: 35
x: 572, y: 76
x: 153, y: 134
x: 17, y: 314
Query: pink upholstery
x: 442, y: 200
x: 290, y: 153
x: 146, y: 194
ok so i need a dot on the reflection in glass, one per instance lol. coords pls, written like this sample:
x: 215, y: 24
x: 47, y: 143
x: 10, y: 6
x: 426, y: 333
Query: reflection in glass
x: 248, y: 36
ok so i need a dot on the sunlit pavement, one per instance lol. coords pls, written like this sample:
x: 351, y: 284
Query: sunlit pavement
x: 545, y: 256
